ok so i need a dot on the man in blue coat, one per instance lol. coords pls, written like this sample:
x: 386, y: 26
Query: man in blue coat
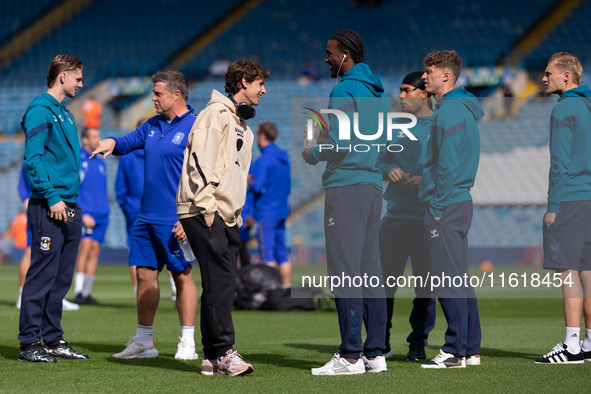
x: 94, y: 202
x: 270, y: 187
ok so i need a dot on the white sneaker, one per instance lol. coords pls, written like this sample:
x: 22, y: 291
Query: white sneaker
x: 378, y: 364
x: 69, y: 306
x: 134, y: 349
x: 473, y: 360
x: 340, y: 366
x: 186, y: 350
x: 446, y: 360
x: 389, y: 354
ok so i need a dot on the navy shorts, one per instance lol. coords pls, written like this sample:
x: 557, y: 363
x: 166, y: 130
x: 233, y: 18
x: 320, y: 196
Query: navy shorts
x: 271, y: 238
x: 99, y: 230
x: 567, y: 242
x: 153, y: 245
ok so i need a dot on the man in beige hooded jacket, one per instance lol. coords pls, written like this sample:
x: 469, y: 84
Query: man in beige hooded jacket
x: 210, y: 197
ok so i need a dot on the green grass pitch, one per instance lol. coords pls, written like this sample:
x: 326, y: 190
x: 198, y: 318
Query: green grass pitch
x: 282, y: 346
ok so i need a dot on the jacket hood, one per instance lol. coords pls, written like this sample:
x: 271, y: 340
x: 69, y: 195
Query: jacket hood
x: 218, y: 97
x: 46, y: 100
x: 276, y: 151
x: 581, y: 91
x: 468, y: 99
x: 361, y: 73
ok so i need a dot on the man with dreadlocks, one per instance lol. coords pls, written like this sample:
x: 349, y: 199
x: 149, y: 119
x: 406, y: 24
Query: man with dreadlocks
x: 352, y: 225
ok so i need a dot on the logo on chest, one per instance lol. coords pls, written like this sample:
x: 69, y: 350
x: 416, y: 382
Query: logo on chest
x: 178, y: 138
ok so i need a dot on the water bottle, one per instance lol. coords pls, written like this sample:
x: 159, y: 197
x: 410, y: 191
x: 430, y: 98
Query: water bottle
x: 187, y: 251
x: 311, y: 142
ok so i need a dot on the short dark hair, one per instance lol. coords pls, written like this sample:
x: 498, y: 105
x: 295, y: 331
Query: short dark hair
x: 351, y: 41
x: 86, y: 131
x: 59, y: 64
x: 445, y: 59
x: 269, y: 130
x: 565, y: 61
x: 173, y: 81
x: 243, y: 68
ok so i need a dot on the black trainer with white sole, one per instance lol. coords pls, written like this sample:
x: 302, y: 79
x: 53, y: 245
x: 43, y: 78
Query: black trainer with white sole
x: 560, y: 355
x: 35, y: 353
x: 62, y: 350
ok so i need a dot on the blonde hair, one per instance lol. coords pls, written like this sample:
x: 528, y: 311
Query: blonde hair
x: 565, y: 61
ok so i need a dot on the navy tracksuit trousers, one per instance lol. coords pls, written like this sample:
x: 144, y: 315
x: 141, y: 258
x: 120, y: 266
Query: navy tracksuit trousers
x: 448, y: 252
x: 54, y: 247
x: 351, y: 225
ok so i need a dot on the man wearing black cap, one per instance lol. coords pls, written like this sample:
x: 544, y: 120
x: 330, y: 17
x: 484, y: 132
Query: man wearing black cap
x: 402, y: 228
x: 352, y: 225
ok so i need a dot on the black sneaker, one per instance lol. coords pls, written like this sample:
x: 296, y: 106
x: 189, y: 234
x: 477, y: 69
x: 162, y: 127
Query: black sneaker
x: 35, y: 353
x: 446, y: 360
x: 586, y: 355
x: 64, y: 351
x: 90, y: 300
x: 416, y: 353
x: 559, y: 355
x: 79, y: 299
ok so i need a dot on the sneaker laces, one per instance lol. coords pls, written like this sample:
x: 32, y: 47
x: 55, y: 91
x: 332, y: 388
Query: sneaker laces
x: 557, y: 349
x: 442, y: 356
x: 230, y: 356
x: 334, y: 359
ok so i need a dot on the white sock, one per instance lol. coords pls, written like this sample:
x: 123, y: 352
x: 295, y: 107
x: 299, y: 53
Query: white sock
x: 20, y: 292
x: 88, y: 282
x: 172, y: 285
x: 587, y: 341
x: 79, y: 282
x: 135, y: 290
x: 572, y: 340
x: 188, y: 332
x: 144, y: 334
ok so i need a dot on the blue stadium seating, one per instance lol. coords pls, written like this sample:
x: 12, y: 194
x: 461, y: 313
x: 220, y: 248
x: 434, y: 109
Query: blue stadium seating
x: 572, y: 35
x: 397, y: 35
x: 15, y: 14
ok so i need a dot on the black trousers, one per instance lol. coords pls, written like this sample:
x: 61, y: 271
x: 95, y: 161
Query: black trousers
x: 216, y: 249
x: 54, y: 247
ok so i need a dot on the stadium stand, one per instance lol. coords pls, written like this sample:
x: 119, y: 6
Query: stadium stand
x: 14, y: 15
x: 136, y: 40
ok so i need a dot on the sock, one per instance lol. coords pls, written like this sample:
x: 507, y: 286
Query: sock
x: 20, y: 292
x: 572, y: 340
x: 88, y: 281
x: 79, y: 282
x: 135, y: 290
x: 144, y: 334
x: 587, y: 342
x: 172, y: 285
x: 188, y: 332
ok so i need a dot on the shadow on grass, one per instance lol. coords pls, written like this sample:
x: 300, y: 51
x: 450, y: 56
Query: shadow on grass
x: 280, y: 360
x: 10, y: 352
x: 160, y: 362
x: 329, y: 349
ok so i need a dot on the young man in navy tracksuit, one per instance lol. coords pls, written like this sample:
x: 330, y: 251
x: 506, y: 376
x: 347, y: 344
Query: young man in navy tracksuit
x: 52, y: 163
x: 567, y: 222
x: 353, y: 206
x: 453, y: 153
x: 270, y: 187
x: 402, y: 229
